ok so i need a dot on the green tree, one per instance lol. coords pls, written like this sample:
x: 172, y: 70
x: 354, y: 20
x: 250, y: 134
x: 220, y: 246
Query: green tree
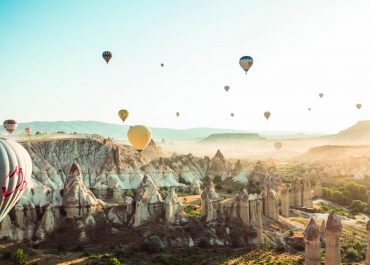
x: 20, y: 257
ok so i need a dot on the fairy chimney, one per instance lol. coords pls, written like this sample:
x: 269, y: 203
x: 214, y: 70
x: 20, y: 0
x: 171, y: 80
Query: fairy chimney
x: 312, y: 243
x: 284, y: 201
x: 333, y: 232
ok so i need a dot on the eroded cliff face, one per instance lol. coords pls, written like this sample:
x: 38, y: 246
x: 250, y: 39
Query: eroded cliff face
x: 73, y: 178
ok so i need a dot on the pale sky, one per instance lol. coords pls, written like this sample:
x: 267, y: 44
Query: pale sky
x: 51, y: 65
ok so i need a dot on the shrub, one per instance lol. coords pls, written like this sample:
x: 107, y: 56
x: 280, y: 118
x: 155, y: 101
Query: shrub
x: 192, y: 210
x: 20, y: 257
x: 153, y: 244
x: 115, y: 261
x: 357, y: 206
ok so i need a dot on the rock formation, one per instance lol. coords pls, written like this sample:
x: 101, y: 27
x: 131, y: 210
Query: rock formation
x: 312, y: 244
x: 195, y: 187
x: 333, y: 232
x: 77, y: 199
x: 173, y: 206
x: 297, y: 188
x: 284, y: 201
x: 209, y: 200
x: 218, y: 166
x: 270, y: 203
x: 258, y: 173
x: 307, y: 194
x: 258, y: 224
x: 317, y: 189
x: 148, y: 202
x: 302, y: 193
x: 367, y: 262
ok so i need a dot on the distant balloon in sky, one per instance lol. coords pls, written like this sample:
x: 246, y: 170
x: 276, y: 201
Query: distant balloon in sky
x: 321, y: 95
x: 10, y: 125
x: 309, y: 109
x: 15, y: 174
x: 107, y: 55
x: 28, y: 131
x: 139, y: 136
x: 232, y: 114
x: 177, y: 114
x: 278, y: 145
x: 246, y: 62
x: 162, y: 64
x: 226, y: 88
x: 123, y: 114
x: 267, y: 115
x: 358, y: 106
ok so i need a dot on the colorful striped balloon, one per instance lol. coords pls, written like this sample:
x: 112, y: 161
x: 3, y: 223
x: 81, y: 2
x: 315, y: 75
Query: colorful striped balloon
x: 15, y: 174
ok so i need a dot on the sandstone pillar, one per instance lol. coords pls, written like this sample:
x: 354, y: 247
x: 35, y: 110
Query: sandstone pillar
x: 312, y: 244
x: 333, y: 232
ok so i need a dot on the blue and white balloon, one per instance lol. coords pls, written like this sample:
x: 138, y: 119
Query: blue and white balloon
x: 246, y: 62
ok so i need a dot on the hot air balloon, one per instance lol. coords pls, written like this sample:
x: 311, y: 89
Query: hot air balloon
x: 267, y: 115
x: 10, y: 125
x: 107, y: 55
x: 309, y: 109
x: 278, y: 145
x: 123, y: 114
x: 27, y: 131
x: 15, y: 174
x: 139, y: 136
x: 162, y: 64
x: 177, y: 114
x: 226, y: 88
x: 358, y: 106
x: 321, y: 95
x: 232, y: 114
x: 246, y: 62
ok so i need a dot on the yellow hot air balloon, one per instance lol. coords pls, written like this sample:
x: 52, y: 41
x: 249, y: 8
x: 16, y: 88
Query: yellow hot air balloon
x: 139, y: 136
x: 358, y: 106
x: 123, y: 114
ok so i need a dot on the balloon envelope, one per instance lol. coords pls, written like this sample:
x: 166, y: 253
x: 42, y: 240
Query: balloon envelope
x: 162, y: 64
x: 278, y: 145
x: 15, y: 174
x: 226, y: 88
x: 10, y: 125
x: 232, y: 114
x: 27, y: 131
x: 359, y: 106
x: 107, y: 55
x: 177, y: 114
x: 123, y: 114
x: 139, y: 136
x: 267, y: 115
x: 309, y: 109
x: 321, y: 95
x: 246, y: 62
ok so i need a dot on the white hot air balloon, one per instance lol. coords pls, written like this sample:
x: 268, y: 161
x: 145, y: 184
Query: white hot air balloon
x: 15, y: 174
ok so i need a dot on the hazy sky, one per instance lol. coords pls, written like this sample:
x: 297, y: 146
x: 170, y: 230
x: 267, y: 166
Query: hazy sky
x: 51, y: 66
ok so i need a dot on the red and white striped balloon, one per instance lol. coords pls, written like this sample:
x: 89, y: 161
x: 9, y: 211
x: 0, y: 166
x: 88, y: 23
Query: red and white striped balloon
x: 15, y: 174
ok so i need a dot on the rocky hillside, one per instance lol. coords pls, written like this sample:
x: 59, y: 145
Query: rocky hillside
x: 358, y: 133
